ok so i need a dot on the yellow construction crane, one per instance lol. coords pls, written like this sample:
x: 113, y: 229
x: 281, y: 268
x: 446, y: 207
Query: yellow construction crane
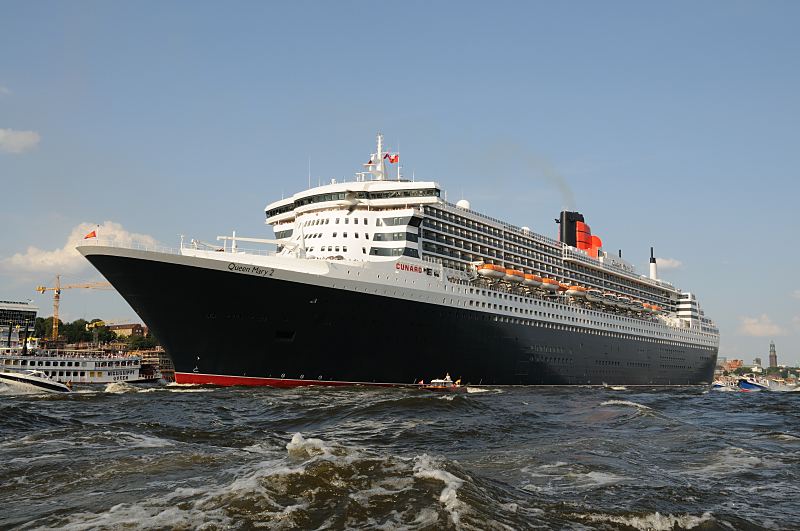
x: 57, y: 296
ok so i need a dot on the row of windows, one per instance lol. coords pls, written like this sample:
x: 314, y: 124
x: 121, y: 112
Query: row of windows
x: 395, y: 251
x: 344, y: 235
x: 326, y: 221
x: 393, y: 237
x: 48, y: 363
x: 341, y: 196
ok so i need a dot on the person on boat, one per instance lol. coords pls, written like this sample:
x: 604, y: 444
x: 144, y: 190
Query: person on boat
x: 69, y: 385
x: 447, y: 377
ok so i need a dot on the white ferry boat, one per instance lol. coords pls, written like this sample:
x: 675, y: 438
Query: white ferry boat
x: 381, y: 281
x: 78, y: 366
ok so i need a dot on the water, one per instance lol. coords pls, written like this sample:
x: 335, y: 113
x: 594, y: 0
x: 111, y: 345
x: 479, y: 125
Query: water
x: 517, y: 458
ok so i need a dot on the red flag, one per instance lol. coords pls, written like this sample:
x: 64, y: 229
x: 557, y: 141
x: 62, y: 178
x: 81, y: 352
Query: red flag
x: 394, y: 158
x: 92, y: 234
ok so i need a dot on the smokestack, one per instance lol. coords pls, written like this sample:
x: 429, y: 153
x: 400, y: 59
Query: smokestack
x: 653, y: 267
x: 568, y: 221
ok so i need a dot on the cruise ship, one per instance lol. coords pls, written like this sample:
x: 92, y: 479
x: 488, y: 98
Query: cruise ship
x: 380, y: 281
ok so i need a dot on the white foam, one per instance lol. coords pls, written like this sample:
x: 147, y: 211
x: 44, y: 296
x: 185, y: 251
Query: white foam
x: 728, y: 461
x: 120, y: 387
x: 301, y: 447
x: 471, y: 389
x: 653, y: 521
x: 138, y: 440
x: 426, y: 468
x: 624, y: 403
x: 25, y: 460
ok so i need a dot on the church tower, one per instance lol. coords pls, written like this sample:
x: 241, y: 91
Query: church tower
x: 773, y: 356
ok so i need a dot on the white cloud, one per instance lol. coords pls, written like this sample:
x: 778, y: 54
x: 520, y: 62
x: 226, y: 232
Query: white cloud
x: 67, y: 259
x: 761, y: 326
x: 18, y: 141
x: 669, y: 263
x: 4, y: 91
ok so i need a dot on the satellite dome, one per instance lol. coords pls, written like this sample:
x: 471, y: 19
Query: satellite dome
x: 463, y: 204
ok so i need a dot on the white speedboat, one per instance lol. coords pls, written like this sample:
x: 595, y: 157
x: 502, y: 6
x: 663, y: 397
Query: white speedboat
x: 33, y: 381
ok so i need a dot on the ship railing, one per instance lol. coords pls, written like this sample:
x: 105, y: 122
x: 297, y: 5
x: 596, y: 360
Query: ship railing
x: 158, y: 248
x: 131, y: 244
x: 64, y: 354
x: 573, y: 254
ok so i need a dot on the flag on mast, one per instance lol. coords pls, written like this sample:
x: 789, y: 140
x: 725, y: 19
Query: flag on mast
x: 92, y: 234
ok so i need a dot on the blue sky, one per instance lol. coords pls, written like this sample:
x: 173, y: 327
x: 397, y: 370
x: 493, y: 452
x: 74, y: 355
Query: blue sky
x: 666, y: 124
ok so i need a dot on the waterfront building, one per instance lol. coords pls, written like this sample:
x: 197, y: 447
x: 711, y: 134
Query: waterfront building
x: 127, y: 330
x: 773, y: 355
x: 17, y: 319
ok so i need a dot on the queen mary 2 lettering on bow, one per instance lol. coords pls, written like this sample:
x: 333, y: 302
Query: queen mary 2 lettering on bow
x: 252, y: 269
x: 407, y: 267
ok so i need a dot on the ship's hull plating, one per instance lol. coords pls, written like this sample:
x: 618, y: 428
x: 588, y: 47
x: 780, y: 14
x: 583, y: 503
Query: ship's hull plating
x: 238, y: 329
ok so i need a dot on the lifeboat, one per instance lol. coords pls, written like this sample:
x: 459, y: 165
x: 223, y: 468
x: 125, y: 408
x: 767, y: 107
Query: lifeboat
x: 550, y: 285
x: 576, y: 291
x: 532, y: 281
x: 512, y: 275
x: 594, y: 295
x: 491, y: 271
x: 624, y: 302
x: 610, y: 299
x: 637, y: 306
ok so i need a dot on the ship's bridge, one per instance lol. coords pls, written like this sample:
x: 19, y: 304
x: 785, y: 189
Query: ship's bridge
x: 352, y: 196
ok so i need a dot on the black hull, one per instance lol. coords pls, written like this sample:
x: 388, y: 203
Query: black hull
x: 220, y: 323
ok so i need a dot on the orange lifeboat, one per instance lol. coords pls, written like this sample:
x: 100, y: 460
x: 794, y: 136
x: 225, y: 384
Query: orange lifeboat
x: 513, y: 275
x: 533, y: 281
x: 550, y: 285
x: 576, y: 291
x: 491, y: 271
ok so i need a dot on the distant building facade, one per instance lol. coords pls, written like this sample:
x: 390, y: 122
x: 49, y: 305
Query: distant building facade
x: 773, y: 355
x: 127, y: 330
x: 17, y: 319
x: 732, y: 365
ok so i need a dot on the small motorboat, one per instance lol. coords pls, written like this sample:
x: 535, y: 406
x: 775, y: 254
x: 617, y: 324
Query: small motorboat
x: 33, y: 382
x: 724, y: 385
x: 751, y: 385
x: 443, y: 385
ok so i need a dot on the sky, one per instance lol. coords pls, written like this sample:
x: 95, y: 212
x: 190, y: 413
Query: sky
x: 671, y: 124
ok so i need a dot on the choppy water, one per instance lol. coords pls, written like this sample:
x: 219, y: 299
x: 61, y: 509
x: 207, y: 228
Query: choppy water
x: 516, y: 458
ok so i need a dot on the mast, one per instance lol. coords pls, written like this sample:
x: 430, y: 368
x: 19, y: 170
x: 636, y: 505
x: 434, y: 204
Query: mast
x: 380, y: 170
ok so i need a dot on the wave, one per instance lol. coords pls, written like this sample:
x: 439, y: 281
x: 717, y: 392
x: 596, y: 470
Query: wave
x: 313, y: 483
x: 120, y: 387
x: 625, y: 403
x: 650, y: 521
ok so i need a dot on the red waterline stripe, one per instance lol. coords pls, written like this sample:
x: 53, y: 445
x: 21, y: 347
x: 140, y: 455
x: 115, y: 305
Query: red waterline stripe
x: 218, y: 379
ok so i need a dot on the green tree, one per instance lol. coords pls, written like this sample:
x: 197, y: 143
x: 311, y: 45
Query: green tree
x: 44, y: 327
x: 141, y: 343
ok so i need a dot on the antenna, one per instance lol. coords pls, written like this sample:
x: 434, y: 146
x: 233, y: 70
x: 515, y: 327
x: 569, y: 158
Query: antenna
x: 309, y: 171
